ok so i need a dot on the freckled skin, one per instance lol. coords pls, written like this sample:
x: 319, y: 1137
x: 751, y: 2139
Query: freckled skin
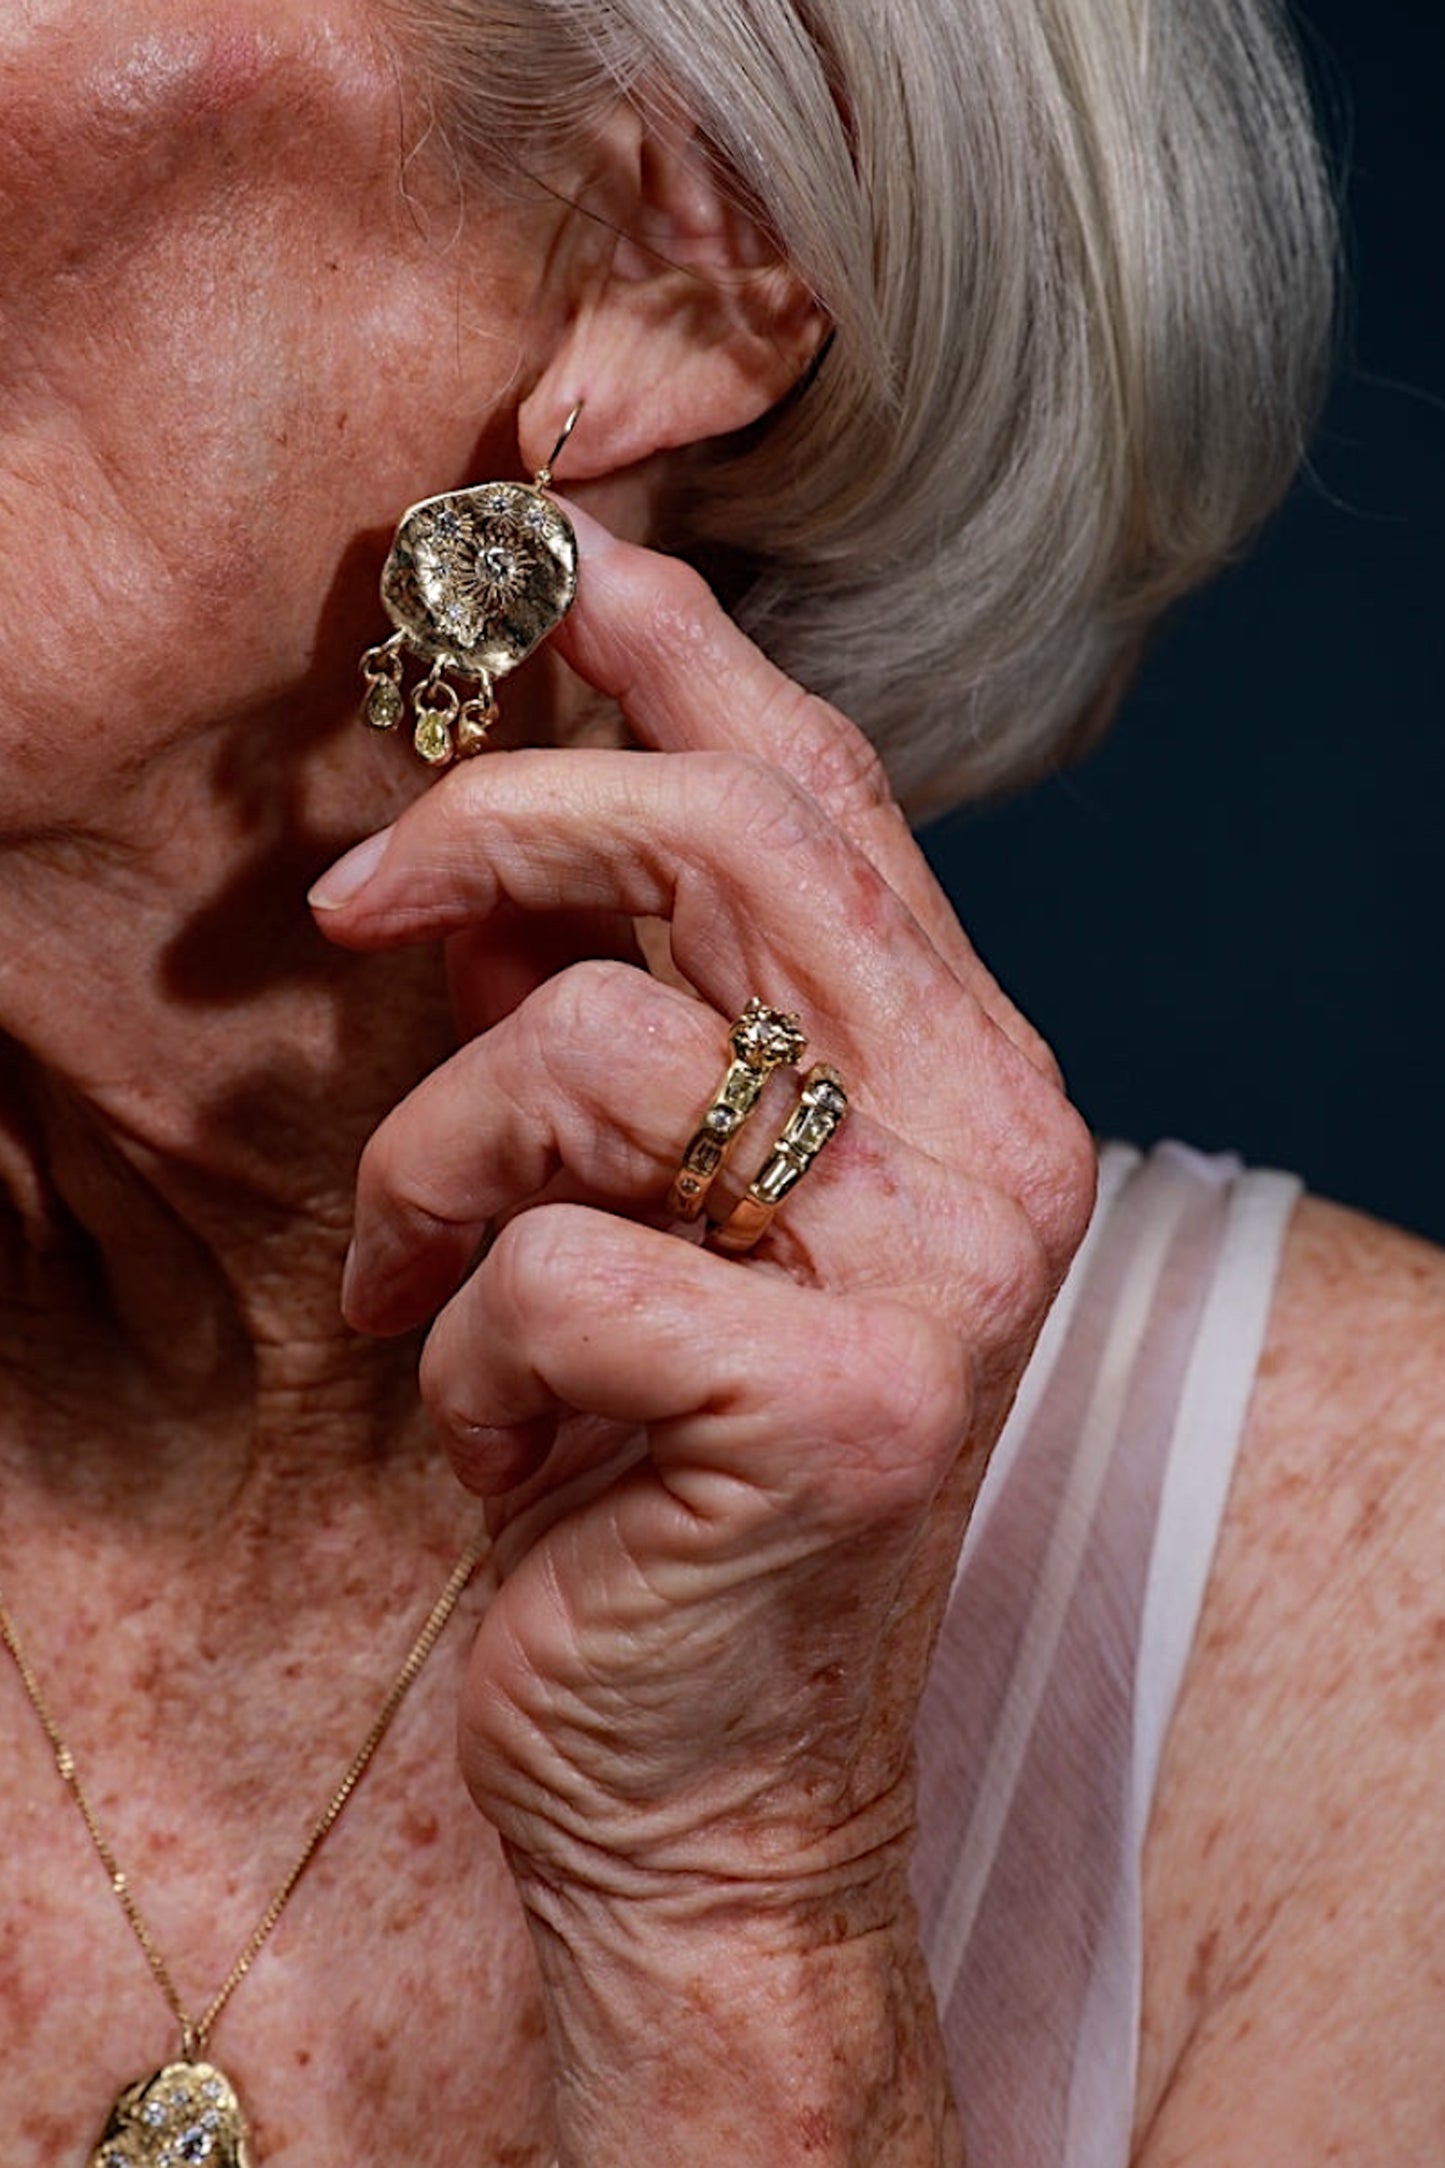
x: 213, y: 288
x: 220, y: 1502
x: 1296, y: 1983
x: 233, y: 345
x: 198, y: 271
x: 347, y: 1968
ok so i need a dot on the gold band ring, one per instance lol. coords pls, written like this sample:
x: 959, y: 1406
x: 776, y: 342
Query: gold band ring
x: 762, y: 1040
x: 814, y: 1122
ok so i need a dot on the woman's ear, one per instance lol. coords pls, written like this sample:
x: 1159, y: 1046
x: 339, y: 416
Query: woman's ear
x: 684, y: 323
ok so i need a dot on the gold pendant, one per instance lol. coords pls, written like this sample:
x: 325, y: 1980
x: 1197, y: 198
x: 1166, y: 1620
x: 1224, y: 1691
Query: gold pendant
x: 186, y: 2116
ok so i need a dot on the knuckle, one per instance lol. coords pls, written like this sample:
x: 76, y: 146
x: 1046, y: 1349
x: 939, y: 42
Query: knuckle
x: 1076, y: 1179
x: 581, y: 1040
x: 748, y: 799
x: 454, y: 1395
x: 551, y: 1260
x: 931, y: 1393
x: 573, y: 1011
x: 396, y: 1182
x: 679, y: 611
x: 1020, y: 1281
x: 1059, y: 1182
x: 904, y: 1401
x: 830, y: 757
x: 523, y: 1266
x: 1043, y: 1154
x: 502, y: 1312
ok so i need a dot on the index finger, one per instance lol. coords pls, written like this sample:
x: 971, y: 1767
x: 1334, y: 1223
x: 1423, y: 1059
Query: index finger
x: 649, y: 632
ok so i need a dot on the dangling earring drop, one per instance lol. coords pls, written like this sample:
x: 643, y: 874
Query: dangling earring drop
x: 473, y: 583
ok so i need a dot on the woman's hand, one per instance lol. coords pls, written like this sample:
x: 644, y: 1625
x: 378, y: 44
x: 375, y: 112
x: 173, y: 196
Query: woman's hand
x: 728, y: 1494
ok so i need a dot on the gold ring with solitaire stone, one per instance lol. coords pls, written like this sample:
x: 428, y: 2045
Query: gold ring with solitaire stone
x: 761, y: 1040
x: 814, y: 1122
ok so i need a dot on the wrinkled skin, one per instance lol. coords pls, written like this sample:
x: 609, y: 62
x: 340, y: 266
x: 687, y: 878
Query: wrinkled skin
x: 727, y: 1495
x: 248, y: 316
x: 810, y: 1425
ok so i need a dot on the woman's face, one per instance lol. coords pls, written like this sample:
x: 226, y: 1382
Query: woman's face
x: 241, y: 329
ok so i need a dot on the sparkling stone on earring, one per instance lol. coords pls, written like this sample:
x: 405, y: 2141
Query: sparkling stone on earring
x: 383, y: 705
x: 433, y: 737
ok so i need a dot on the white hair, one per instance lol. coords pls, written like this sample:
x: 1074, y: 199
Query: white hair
x: 1077, y: 256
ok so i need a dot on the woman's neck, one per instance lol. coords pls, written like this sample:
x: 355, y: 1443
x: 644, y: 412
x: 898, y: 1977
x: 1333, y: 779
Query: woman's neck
x: 187, y: 1077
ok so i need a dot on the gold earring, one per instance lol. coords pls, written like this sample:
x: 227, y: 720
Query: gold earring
x: 473, y: 583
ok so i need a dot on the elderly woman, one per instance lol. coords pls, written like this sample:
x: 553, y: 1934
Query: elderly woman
x: 950, y: 339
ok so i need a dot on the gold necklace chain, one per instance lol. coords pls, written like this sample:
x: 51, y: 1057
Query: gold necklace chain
x: 196, y: 2031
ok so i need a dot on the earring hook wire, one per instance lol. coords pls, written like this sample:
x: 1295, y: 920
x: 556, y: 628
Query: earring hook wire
x: 543, y: 478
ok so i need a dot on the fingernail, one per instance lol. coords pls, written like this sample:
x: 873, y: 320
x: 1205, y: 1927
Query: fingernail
x: 350, y: 874
x: 596, y: 541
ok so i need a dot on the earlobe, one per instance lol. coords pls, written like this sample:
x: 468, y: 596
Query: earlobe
x: 689, y: 326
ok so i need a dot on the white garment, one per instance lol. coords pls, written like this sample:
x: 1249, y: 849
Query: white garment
x: 1065, y: 1642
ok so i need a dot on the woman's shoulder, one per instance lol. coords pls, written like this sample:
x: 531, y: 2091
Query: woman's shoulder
x: 1295, y: 1968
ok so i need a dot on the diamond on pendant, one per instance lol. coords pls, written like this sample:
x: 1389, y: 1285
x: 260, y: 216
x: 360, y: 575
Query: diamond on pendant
x: 185, y: 2116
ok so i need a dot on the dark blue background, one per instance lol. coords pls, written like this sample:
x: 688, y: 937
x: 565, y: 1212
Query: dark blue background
x: 1230, y: 921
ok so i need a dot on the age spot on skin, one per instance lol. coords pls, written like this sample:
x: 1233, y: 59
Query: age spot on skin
x: 817, y: 2129
x: 420, y: 1828
x: 1201, y: 1971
